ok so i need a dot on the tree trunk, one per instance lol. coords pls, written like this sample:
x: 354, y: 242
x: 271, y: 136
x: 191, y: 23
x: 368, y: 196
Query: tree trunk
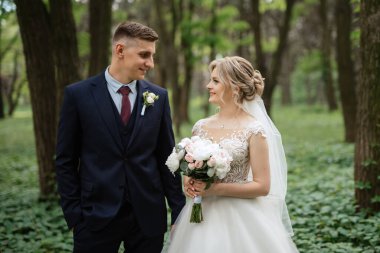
x: 367, y: 149
x: 66, y: 47
x: 255, y: 23
x: 169, y: 55
x: 161, y: 59
x: 308, y: 91
x: 271, y: 80
x: 270, y: 74
x: 15, y: 85
x: 346, y: 73
x: 100, y: 32
x: 3, y: 86
x: 286, y: 95
x: 48, y: 71
x: 2, y: 116
x: 187, y: 48
x: 212, y: 56
x: 37, y: 44
x: 326, y: 58
x: 15, y: 98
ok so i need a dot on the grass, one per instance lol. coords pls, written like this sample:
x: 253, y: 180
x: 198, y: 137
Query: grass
x: 320, y: 187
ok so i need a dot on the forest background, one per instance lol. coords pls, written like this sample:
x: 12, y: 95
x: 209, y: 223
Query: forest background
x: 321, y: 61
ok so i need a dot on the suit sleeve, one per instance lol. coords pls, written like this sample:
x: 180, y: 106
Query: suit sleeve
x: 172, y: 184
x: 67, y: 160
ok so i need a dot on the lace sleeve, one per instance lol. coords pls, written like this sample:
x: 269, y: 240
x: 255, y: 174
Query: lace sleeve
x: 256, y: 128
x: 197, y: 127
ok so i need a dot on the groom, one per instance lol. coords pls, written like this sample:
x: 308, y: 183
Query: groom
x: 111, y: 153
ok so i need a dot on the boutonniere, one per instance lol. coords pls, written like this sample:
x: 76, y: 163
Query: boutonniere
x: 149, y: 98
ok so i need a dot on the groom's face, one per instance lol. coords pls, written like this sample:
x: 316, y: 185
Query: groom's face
x: 137, y: 58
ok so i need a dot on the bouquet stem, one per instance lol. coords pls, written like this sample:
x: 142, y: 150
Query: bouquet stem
x: 196, y: 212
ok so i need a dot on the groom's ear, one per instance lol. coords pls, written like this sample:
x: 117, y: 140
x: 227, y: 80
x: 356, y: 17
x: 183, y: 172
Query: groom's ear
x: 119, y: 49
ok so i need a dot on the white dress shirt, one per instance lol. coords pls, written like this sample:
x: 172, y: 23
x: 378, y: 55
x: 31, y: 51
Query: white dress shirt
x: 113, y: 86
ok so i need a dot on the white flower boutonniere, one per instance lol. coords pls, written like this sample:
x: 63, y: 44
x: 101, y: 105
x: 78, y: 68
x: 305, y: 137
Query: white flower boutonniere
x: 149, y: 98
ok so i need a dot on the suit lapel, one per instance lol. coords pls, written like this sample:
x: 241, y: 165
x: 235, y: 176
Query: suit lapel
x: 142, y: 87
x: 104, y: 106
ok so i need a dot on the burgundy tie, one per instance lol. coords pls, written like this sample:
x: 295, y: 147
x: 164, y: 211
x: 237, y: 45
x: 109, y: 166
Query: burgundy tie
x: 125, y: 104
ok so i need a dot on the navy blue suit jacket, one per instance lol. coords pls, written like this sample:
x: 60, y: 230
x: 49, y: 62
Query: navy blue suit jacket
x: 92, y: 164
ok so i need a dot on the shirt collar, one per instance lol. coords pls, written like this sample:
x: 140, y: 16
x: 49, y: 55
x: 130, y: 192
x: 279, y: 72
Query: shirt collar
x: 115, y: 85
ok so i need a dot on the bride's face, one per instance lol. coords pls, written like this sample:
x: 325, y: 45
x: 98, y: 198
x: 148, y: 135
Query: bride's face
x: 219, y: 94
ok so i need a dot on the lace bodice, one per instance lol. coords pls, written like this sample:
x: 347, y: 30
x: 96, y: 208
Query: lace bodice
x: 236, y: 142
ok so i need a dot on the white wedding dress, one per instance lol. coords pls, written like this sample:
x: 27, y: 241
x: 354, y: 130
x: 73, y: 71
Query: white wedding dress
x: 233, y: 225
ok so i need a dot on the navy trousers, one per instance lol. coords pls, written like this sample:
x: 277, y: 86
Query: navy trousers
x: 122, y: 229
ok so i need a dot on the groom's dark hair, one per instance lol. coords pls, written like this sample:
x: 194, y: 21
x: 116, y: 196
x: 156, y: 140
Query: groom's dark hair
x: 134, y: 30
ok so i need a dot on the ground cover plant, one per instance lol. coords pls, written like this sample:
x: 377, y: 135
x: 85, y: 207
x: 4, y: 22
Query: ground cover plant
x: 320, y: 188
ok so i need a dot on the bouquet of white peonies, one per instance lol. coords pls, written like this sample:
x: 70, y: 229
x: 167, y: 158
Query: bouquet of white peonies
x: 202, y: 160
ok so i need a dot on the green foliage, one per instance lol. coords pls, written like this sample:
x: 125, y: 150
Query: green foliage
x: 6, y: 7
x: 30, y: 226
x: 306, y: 77
x: 376, y: 199
x: 26, y: 225
x: 320, y: 186
x: 363, y: 185
x: 228, y: 25
x: 268, y: 5
x: 368, y: 163
x: 303, y: 9
x: 355, y: 38
x: 10, y: 38
x: 270, y: 45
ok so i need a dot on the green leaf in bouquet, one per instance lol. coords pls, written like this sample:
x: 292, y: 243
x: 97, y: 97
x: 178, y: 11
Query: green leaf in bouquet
x: 209, y: 182
x: 183, y: 165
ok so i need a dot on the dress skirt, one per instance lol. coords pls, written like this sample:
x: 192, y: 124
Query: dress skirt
x: 232, y: 225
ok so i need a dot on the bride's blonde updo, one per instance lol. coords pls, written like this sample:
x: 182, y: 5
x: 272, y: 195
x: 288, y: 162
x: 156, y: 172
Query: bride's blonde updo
x: 238, y: 74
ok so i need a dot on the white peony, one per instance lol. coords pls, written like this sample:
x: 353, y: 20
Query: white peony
x: 204, y: 149
x: 210, y: 172
x: 181, y: 154
x: 211, y: 162
x: 184, y: 142
x: 172, y: 162
x: 202, y: 153
x: 150, y: 100
x: 221, y: 173
x: 195, y: 138
x: 191, y: 166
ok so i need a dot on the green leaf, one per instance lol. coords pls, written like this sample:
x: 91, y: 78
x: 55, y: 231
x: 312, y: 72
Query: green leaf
x: 183, y: 165
x: 376, y: 199
x: 368, y: 163
x: 363, y: 185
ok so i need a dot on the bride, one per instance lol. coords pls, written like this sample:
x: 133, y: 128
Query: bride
x: 244, y: 212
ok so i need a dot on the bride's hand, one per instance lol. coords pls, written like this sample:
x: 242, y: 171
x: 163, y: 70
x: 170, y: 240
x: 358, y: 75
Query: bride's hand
x: 188, y: 187
x: 200, y: 188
